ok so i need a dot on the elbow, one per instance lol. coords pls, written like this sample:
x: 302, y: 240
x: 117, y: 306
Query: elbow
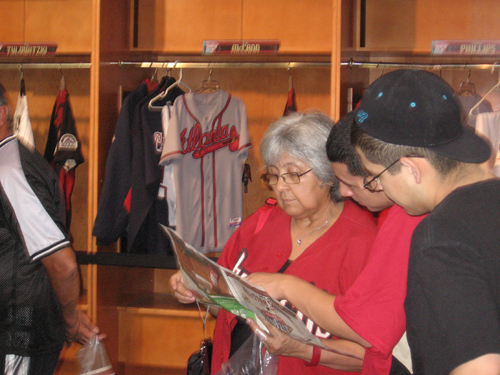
x: 69, y: 270
x: 61, y: 264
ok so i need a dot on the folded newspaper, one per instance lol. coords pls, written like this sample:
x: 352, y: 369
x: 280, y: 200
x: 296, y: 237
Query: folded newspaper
x: 214, y: 284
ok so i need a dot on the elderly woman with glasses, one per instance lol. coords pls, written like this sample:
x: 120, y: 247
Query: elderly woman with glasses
x: 309, y: 232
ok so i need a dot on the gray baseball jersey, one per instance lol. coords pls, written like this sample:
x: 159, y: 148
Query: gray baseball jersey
x: 207, y: 143
x: 167, y: 185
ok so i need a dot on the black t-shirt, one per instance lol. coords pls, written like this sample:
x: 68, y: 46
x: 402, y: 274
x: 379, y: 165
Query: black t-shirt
x: 31, y: 321
x: 453, y: 299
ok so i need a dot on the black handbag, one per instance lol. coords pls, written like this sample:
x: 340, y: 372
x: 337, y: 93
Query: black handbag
x: 200, y: 362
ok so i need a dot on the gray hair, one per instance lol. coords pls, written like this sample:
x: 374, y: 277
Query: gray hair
x: 303, y: 136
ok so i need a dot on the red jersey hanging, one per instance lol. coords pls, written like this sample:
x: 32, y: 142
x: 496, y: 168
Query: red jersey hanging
x: 291, y: 105
x: 63, y: 148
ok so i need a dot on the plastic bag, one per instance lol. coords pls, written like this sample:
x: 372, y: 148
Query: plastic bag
x: 251, y: 359
x: 94, y: 359
x: 16, y: 364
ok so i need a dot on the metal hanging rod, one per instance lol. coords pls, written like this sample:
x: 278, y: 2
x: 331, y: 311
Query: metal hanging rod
x: 301, y: 64
x: 206, y: 65
x: 64, y: 66
x: 263, y: 64
x: 431, y: 66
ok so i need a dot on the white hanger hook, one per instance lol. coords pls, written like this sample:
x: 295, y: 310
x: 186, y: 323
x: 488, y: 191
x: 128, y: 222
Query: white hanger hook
x: 175, y: 64
x: 493, y: 67
x: 210, y: 70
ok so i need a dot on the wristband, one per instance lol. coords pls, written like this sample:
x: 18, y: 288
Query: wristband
x: 315, y: 357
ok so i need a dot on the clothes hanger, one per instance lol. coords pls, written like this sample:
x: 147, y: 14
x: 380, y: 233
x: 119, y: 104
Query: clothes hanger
x: 488, y: 93
x: 153, y: 78
x: 208, y: 85
x: 467, y: 88
x: 163, y: 94
x: 22, y: 90
x: 383, y: 69
x: 290, y: 79
x: 62, y: 84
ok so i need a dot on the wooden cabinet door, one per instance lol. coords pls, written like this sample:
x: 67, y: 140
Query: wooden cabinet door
x: 179, y: 26
x: 302, y: 26
x: 390, y: 24
x: 189, y: 23
x: 412, y: 25
x: 457, y: 19
x: 65, y: 22
x: 12, y: 30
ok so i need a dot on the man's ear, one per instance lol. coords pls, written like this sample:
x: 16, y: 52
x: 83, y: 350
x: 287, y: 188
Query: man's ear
x: 413, y: 167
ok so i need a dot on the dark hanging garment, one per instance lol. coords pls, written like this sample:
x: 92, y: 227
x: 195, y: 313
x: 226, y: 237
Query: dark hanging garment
x: 63, y: 148
x: 114, y: 204
x: 147, y: 210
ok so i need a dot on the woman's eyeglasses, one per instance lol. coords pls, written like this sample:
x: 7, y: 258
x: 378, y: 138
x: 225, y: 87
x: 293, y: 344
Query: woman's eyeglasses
x: 288, y: 178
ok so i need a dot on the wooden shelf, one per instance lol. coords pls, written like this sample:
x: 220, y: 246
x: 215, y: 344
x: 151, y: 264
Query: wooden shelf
x: 56, y: 59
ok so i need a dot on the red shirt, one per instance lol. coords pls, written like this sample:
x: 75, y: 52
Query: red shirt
x: 373, y: 306
x: 332, y: 263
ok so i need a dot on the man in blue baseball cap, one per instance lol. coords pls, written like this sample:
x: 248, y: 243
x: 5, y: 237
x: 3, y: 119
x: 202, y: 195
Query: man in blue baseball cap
x: 410, y: 135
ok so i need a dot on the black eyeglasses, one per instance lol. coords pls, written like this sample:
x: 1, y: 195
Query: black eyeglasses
x: 373, y: 182
x: 288, y: 178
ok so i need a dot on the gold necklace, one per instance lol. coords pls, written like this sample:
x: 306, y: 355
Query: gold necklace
x: 299, y: 239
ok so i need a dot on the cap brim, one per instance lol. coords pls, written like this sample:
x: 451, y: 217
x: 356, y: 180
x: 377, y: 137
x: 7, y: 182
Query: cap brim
x: 469, y: 147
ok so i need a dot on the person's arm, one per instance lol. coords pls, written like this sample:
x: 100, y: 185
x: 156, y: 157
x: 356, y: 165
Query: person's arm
x: 488, y: 364
x: 279, y: 343
x: 64, y: 278
x: 312, y: 301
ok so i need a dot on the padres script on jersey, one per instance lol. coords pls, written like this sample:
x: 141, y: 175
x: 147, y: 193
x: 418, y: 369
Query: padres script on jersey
x: 207, y: 143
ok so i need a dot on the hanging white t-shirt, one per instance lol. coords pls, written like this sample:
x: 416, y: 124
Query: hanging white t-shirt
x: 22, y: 123
x: 488, y: 124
